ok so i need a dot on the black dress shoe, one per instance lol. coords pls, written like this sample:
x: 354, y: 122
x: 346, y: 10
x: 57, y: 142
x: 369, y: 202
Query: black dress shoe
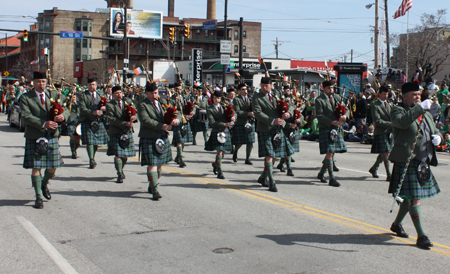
x: 220, y: 176
x: 289, y: 172
x: 280, y: 167
x: 119, y: 179
x: 398, y: 229
x: 335, y: 168
x: 334, y: 183
x: 374, y: 173
x: 388, y: 178
x: 176, y: 160
x: 424, y: 242
x: 292, y: 160
x: 247, y: 162
x: 182, y: 164
x: 273, y: 188
x: 38, y: 205
x: 263, y: 182
x: 74, y: 155
x: 46, y: 193
x: 321, y: 178
x: 123, y: 176
x: 92, y: 165
x: 156, y: 196
x: 214, y: 168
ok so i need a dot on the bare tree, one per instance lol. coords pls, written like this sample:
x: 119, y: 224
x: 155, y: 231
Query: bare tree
x: 429, y: 45
x: 23, y: 67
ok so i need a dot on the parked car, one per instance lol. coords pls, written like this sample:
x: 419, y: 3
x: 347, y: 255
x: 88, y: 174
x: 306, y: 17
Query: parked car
x: 15, y: 117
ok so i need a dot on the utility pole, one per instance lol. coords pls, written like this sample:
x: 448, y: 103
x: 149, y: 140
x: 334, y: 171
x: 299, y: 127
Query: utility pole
x: 351, y: 56
x: 388, y: 51
x: 241, y: 42
x: 377, y: 33
x: 225, y: 37
x: 6, y: 51
x: 182, y: 48
x: 277, y: 45
x: 125, y: 46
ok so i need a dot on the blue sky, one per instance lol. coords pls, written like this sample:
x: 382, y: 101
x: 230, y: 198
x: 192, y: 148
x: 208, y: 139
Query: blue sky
x: 311, y: 30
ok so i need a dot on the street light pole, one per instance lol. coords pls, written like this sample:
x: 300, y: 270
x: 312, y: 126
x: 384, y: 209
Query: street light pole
x: 388, y: 51
x: 377, y: 33
x: 225, y: 37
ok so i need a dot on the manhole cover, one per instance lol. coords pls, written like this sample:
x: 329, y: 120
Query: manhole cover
x: 223, y: 250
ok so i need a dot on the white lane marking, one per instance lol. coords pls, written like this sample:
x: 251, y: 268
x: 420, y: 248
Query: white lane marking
x: 56, y: 257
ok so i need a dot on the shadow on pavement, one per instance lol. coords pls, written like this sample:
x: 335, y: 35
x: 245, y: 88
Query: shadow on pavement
x: 103, y: 193
x: 15, y: 202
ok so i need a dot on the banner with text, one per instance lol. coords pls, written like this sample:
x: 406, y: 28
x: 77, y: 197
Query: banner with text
x: 197, y: 66
x: 139, y: 23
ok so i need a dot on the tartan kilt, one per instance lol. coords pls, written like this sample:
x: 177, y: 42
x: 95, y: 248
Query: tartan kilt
x: 177, y: 138
x: 47, y: 161
x: 115, y: 150
x: 72, y: 127
x: 198, y: 126
x: 325, y: 144
x: 212, y: 144
x: 296, y: 144
x: 265, y: 147
x: 240, y: 137
x: 411, y: 187
x: 90, y: 138
x: 381, y: 144
x: 149, y: 155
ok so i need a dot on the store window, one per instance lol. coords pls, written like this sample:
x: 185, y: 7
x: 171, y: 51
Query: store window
x: 236, y: 49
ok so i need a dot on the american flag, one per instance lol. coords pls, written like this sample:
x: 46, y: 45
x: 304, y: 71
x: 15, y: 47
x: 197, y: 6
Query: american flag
x: 404, y: 7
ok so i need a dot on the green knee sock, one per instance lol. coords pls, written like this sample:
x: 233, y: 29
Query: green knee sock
x: 37, y: 182
x: 265, y: 172
x: 159, y: 174
x: 270, y: 173
x: 402, y: 211
x: 282, y: 161
x: 180, y: 153
x: 324, y: 167
x: 47, y: 176
x: 248, y: 151
x: 414, y: 211
x: 90, y: 152
x: 377, y: 162
x: 73, y: 146
x: 205, y: 136
x: 329, y: 165
x: 119, y: 166
x: 153, y: 179
x: 219, y: 163
x: 288, y: 162
x: 386, y: 165
x: 124, y: 161
x: 95, y: 149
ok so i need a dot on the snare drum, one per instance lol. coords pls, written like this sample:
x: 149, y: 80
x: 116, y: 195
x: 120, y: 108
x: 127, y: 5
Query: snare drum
x: 202, y: 116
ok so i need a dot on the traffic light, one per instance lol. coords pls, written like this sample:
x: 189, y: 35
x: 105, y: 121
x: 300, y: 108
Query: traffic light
x: 172, y: 34
x: 25, y: 35
x: 187, y: 31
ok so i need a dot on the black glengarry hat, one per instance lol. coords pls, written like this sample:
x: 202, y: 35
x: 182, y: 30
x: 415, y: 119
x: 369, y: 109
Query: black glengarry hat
x: 151, y: 87
x: 266, y: 80
x: 410, y: 86
x: 39, y: 75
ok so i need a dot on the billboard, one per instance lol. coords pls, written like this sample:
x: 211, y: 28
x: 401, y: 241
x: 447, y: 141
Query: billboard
x: 139, y: 23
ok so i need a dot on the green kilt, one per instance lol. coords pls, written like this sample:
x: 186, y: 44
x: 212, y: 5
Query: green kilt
x: 325, y: 144
x: 212, y: 144
x: 381, y: 144
x: 90, y: 138
x: 149, y: 155
x: 115, y: 150
x: 240, y: 137
x: 296, y: 144
x: 198, y: 126
x: 265, y: 147
x: 47, y: 161
x: 72, y: 127
x: 177, y: 138
x: 411, y: 187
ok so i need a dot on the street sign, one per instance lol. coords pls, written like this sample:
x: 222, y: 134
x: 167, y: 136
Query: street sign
x: 225, y: 46
x: 225, y: 59
x: 6, y: 73
x: 71, y: 34
x: 228, y: 68
x: 209, y: 25
x: 126, y: 61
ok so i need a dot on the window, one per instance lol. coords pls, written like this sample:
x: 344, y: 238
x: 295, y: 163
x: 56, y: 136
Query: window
x: 154, y: 45
x: 197, y: 45
x: 244, y: 49
x: 236, y: 49
x: 89, y: 57
x: 90, y: 26
x: 212, y: 48
x: 78, y: 43
x: 211, y: 33
x: 85, y: 43
x: 85, y: 26
x: 78, y: 57
x: 78, y: 26
x: 90, y: 43
x: 84, y: 57
x: 206, y: 32
x: 244, y: 33
x: 198, y: 32
x: 236, y: 35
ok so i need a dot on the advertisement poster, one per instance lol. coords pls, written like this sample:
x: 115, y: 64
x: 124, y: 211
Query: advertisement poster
x: 139, y: 23
x: 349, y: 82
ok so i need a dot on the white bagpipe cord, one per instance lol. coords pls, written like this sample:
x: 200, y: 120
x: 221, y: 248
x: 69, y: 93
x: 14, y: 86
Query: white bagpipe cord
x: 397, y: 198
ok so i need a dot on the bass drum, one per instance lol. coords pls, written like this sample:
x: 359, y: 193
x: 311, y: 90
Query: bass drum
x: 78, y: 130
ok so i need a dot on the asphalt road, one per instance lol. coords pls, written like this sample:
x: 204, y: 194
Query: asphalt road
x: 206, y: 225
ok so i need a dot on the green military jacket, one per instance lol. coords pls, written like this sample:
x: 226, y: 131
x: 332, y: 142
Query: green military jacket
x: 117, y: 116
x: 265, y: 112
x: 34, y: 114
x: 405, y: 126
x: 325, y: 111
x: 381, y: 117
x: 85, y: 104
x: 202, y: 104
x: 242, y: 109
x: 139, y: 97
x: 151, y: 121
x: 216, y: 119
